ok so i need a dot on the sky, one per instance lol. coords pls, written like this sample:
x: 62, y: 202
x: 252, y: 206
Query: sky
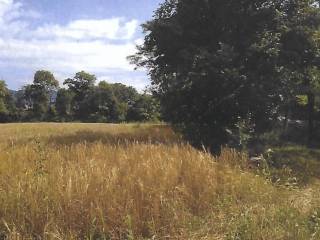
x: 68, y: 36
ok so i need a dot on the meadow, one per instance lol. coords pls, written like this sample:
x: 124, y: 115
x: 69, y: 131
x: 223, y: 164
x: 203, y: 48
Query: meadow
x: 140, y: 181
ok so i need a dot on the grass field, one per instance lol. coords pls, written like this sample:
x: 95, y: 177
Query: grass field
x: 100, y: 181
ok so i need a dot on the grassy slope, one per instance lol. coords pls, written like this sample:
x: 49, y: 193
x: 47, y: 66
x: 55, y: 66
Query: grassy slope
x: 99, y: 181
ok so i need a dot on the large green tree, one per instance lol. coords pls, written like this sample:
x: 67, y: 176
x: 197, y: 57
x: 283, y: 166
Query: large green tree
x: 124, y: 94
x: 218, y: 64
x: 214, y: 64
x: 300, y: 53
x: 102, y: 105
x: 125, y: 99
x: 116, y: 99
x: 81, y: 85
x: 39, y: 94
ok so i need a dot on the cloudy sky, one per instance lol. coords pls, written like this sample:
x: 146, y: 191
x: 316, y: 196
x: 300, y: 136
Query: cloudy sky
x: 67, y: 36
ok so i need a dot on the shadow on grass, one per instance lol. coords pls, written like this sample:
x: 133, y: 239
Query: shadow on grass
x: 300, y: 162
x: 144, y: 134
x: 151, y: 135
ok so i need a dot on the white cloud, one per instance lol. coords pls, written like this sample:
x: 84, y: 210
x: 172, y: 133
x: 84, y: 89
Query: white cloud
x: 114, y: 29
x: 8, y: 12
x: 67, y: 55
x: 9, y: 9
x: 98, y: 46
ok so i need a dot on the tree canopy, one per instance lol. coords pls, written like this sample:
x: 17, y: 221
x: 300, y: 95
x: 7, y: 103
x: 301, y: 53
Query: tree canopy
x: 3, y: 95
x: 81, y: 100
x: 216, y: 63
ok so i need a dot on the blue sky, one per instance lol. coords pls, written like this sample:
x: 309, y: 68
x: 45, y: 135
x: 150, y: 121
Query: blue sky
x: 67, y: 36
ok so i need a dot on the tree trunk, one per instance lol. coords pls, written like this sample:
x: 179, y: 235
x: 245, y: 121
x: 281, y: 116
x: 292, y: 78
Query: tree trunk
x: 311, y: 105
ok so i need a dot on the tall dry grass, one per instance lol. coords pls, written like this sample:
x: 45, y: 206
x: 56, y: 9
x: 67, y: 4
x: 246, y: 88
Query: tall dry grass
x: 82, y: 181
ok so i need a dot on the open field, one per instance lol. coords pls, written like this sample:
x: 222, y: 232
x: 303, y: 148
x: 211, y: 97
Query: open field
x: 100, y: 181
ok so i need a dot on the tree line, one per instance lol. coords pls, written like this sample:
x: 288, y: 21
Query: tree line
x: 230, y: 70
x: 80, y: 100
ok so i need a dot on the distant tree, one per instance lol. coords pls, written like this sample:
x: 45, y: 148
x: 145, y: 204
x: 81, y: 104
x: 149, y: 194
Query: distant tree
x: 120, y: 99
x: 8, y: 109
x: 38, y: 96
x: 45, y: 80
x: 63, y: 104
x: 102, y: 105
x: 3, y: 94
x: 20, y: 105
x: 14, y: 113
x: 3, y: 107
x: 81, y: 85
x: 37, y: 102
x: 124, y: 94
x: 146, y: 108
x: 125, y: 97
x: 81, y: 101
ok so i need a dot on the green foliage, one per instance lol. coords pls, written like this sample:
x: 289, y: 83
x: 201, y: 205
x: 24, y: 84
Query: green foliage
x: 215, y: 68
x: 37, y: 100
x: 63, y: 104
x: 121, y: 99
x: 81, y: 101
x: 7, y: 108
x: 146, y: 108
x: 102, y: 105
x: 300, y: 53
x: 230, y: 60
x: 38, y: 96
x: 302, y: 100
x: 45, y: 80
x: 123, y: 93
x: 81, y: 85
x: 3, y: 94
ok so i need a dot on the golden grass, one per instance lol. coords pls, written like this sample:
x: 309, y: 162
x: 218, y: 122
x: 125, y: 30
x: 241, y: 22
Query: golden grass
x: 99, y: 181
